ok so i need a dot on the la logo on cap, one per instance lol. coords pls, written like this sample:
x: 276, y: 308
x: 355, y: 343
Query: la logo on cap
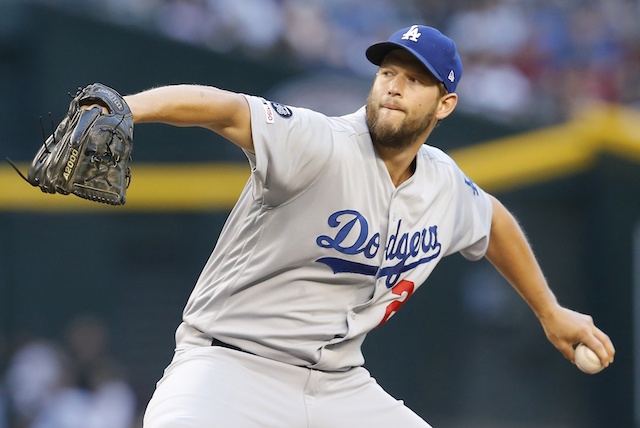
x: 412, y: 35
x: 451, y: 76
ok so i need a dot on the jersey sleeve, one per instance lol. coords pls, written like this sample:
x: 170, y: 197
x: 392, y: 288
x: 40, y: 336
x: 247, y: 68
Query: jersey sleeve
x: 292, y: 147
x: 473, y: 215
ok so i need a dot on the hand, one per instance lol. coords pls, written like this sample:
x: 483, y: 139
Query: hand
x: 566, y: 328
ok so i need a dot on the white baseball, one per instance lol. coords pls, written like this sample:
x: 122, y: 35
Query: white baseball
x: 587, y: 360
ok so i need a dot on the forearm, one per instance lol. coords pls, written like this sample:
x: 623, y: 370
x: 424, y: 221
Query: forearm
x: 510, y: 252
x: 223, y: 112
x: 180, y: 105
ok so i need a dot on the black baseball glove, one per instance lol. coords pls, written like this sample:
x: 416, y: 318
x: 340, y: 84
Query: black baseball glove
x: 89, y: 152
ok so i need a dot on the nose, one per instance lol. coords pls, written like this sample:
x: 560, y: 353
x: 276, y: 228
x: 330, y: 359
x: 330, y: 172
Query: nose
x: 395, y: 86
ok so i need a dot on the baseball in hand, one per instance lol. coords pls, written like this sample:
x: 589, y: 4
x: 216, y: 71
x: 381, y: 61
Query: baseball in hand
x: 587, y: 360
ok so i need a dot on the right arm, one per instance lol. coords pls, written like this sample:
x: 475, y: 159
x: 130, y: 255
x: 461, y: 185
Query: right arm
x: 510, y: 252
x: 226, y: 113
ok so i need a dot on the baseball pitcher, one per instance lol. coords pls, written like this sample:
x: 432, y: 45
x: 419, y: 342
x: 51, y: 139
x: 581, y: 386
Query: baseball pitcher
x: 340, y: 223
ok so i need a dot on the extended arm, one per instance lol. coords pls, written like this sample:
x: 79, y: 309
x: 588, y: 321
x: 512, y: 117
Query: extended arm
x: 510, y: 252
x: 223, y: 112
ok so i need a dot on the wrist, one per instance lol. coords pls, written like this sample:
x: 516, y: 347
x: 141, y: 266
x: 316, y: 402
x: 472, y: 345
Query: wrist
x: 548, y: 310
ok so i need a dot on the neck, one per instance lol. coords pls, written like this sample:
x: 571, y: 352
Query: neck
x: 400, y: 163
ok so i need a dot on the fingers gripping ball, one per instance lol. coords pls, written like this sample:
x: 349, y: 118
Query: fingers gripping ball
x: 88, y: 154
x: 587, y: 360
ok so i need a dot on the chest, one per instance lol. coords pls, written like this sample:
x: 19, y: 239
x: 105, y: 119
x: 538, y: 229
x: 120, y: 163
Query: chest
x: 367, y: 226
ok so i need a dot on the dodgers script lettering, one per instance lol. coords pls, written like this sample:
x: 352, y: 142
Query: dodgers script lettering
x: 403, y: 251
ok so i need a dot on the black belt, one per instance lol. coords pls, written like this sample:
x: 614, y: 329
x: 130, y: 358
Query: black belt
x: 216, y: 342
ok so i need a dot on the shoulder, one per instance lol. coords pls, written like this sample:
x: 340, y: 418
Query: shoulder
x: 354, y: 123
x: 435, y: 155
x: 439, y: 166
x: 271, y: 112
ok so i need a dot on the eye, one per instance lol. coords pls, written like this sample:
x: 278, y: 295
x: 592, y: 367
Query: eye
x: 417, y: 79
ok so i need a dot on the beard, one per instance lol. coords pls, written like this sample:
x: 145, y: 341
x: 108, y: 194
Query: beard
x: 398, y: 136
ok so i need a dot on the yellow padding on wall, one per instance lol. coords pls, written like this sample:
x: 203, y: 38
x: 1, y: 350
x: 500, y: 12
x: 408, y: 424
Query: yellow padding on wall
x: 499, y: 165
x: 154, y: 187
x: 554, y: 152
x: 527, y: 159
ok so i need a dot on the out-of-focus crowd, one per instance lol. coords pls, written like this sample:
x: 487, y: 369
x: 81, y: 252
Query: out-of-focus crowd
x: 69, y: 382
x: 528, y: 60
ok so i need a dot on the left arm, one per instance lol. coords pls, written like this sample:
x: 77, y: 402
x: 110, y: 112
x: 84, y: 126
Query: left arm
x: 510, y: 253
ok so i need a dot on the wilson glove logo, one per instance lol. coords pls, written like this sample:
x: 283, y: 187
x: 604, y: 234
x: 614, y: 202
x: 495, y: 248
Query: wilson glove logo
x: 71, y: 163
x: 402, y: 252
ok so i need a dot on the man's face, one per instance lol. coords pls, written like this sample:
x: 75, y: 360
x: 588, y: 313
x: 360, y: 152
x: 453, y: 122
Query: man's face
x: 402, y: 103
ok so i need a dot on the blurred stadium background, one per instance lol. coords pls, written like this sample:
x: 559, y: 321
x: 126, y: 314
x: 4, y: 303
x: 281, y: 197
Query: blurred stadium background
x: 548, y: 121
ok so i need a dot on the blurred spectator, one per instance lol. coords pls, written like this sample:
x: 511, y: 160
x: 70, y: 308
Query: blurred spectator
x: 594, y: 62
x: 489, y: 36
x: 185, y: 20
x: 35, y: 374
x: 493, y: 27
x: 112, y: 403
x: 495, y: 88
x: 76, y: 384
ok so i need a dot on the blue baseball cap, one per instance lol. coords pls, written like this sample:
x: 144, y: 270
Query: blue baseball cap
x: 435, y: 50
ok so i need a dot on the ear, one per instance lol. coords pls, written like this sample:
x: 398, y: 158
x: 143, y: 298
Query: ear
x: 446, y: 105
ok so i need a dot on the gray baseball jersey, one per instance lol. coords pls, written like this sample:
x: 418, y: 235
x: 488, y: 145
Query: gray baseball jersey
x: 322, y: 247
